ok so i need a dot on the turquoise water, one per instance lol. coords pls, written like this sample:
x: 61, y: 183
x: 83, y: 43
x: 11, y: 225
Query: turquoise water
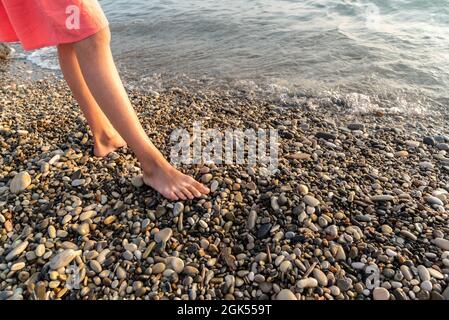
x: 396, y: 50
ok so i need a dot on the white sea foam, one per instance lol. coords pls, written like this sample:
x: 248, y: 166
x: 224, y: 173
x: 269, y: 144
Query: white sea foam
x: 44, y: 58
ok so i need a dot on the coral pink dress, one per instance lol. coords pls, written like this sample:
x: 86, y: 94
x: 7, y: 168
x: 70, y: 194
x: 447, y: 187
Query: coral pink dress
x: 41, y: 23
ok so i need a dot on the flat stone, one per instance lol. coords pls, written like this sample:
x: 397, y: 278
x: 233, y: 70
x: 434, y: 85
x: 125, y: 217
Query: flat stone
x: 434, y: 200
x: 63, y: 259
x: 178, y: 208
x: 158, y: 268
x: 382, y: 198
x: 176, y: 264
x: 426, y: 285
x: 285, y: 266
x: 320, y: 277
x: 163, y: 235
x: 311, y: 201
x: 325, y: 136
x: 381, y: 293
x: 137, y: 181
x: 16, y: 251
x: 409, y: 235
x: 356, y: 126
x: 442, y: 243
x: 423, y: 273
x: 20, y: 182
x: 87, y: 215
x: 307, y: 283
x: 205, y: 178
x: 40, y: 250
x: 286, y: 294
x: 251, y: 224
x: 264, y: 230
x: 429, y: 141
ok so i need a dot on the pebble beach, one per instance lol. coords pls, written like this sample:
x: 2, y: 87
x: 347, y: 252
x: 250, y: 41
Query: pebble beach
x: 359, y: 208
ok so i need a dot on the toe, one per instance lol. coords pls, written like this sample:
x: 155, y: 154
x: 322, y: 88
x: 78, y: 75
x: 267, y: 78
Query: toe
x: 180, y: 195
x: 171, y: 196
x: 187, y: 193
x: 194, y: 191
x: 201, y: 188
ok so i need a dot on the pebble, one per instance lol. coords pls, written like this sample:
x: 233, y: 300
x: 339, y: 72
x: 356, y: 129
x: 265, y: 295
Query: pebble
x: 20, y: 182
x: 442, y: 243
x: 63, y: 259
x: 16, y: 251
x: 382, y: 198
x: 176, y: 264
x: 164, y: 235
x: 307, y: 283
x: 320, y: 277
x: 286, y: 294
x: 434, y: 200
x: 137, y: 181
x: 380, y: 293
x: 40, y: 250
x: 311, y: 201
x: 423, y: 273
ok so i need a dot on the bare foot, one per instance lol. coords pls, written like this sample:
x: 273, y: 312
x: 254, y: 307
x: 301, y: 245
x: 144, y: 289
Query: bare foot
x: 106, y: 145
x: 171, y: 183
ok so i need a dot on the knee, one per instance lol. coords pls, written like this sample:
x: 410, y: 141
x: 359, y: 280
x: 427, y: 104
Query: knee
x: 98, y: 40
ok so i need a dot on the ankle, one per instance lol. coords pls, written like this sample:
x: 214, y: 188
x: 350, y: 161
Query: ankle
x: 104, y: 136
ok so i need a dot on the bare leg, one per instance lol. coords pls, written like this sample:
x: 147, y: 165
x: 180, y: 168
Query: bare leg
x: 100, y: 73
x: 106, y: 138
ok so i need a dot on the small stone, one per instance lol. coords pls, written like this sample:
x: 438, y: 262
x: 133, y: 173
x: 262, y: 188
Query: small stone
x: 51, y: 232
x: 311, y: 201
x: 434, y: 200
x: 303, y: 189
x: 20, y: 182
x: 95, y: 266
x: 137, y: 181
x: 251, y: 220
x: 17, y: 266
x: 325, y: 136
x: 442, y: 243
x: 286, y: 294
x: 429, y: 141
x: 386, y: 229
x: 382, y: 198
x: 205, y: 178
x: 264, y: 230
x: 87, y: 215
x: 190, y: 271
x: 176, y: 264
x: 83, y: 229
x: 214, y: 186
x: 320, y: 277
x: 426, y: 285
x: 163, y: 235
x: 356, y: 126
x: 423, y: 273
x: 178, y: 208
x: 16, y: 251
x: 307, y: 283
x: 285, y: 266
x: 409, y: 235
x: 40, y: 250
x: 158, y: 268
x: 381, y: 293
x: 62, y: 259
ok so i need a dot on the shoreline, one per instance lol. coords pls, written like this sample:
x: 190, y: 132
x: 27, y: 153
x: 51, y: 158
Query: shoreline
x: 353, y: 192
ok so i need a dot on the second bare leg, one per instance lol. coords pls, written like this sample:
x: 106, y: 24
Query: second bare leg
x: 100, y: 73
x: 106, y: 138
